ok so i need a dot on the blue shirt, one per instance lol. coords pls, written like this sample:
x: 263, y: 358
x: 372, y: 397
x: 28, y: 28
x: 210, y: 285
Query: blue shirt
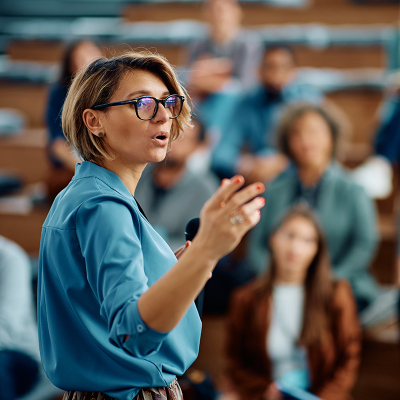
x: 387, y: 139
x: 98, y: 254
x: 253, y: 124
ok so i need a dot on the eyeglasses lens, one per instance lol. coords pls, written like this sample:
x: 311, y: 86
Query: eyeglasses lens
x: 173, y: 105
x: 145, y: 107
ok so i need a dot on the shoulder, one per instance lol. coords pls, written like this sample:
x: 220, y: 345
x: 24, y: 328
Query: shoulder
x: 340, y: 177
x: 13, y: 257
x: 204, y: 184
x: 298, y: 90
x: 244, y: 296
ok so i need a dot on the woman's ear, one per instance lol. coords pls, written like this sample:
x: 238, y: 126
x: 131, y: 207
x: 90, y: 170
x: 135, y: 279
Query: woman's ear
x: 92, y: 120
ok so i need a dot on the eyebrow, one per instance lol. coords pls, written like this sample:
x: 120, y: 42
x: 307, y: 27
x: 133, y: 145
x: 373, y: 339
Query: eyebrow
x: 144, y: 93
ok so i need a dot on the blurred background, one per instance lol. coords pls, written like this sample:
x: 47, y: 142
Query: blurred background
x: 344, y: 52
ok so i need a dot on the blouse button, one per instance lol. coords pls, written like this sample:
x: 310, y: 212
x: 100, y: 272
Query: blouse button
x: 140, y: 328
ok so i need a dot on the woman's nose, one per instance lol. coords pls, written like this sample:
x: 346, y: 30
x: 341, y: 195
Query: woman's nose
x: 162, y: 114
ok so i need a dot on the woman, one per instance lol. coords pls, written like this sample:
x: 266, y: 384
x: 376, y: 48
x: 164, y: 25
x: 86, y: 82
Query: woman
x: 294, y: 328
x: 308, y: 136
x: 62, y: 159
x: 116, y: 312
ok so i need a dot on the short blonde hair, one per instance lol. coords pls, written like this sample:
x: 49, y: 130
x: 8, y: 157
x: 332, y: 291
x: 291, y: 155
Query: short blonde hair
x: 96, y: 84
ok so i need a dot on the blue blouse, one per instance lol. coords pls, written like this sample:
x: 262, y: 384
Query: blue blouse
x: 98, y: 254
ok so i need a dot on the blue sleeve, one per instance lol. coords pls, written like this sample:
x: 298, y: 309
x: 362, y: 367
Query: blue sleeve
x: 387, y: 138
x: 226, y: 155
x: 109, y: 237
x: 53, y: 112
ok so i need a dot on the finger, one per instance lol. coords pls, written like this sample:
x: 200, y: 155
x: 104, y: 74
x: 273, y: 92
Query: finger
x: 226, y: 190
x: 245, y: 195
x: 251, y: 213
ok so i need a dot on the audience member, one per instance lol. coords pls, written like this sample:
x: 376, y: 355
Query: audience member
x: 19, y: 348
x: 308, y: 136
x: 77, y: 55
x: 227, y: 53
x: 247, y: 145
x: 294, y: 329
x: 221, y: 64
x: 170, y: 193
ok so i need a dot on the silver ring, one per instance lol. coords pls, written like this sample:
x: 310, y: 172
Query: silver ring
x: 236, y: 219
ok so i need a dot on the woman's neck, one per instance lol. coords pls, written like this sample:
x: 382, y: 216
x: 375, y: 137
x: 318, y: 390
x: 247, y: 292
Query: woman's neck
x: 293, y: 281
x: 129, y: 174
x: 310, y: 175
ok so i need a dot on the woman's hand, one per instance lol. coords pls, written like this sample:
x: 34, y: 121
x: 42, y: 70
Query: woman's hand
x: 227, y: 216
x: 272, y: 393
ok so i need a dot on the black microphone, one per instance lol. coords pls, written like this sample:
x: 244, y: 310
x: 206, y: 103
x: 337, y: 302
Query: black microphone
x: 190, y: 232
x: 191, y: 228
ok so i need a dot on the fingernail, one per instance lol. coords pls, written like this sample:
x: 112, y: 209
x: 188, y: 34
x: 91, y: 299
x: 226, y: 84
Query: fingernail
x: 260, y: 186
x: 237, y: 179
x: 261, y: 200
x: 258, y: 212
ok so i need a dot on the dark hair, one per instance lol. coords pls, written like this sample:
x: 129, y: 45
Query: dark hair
x: 269, y: 48
x: 202, y: 129
x: 66, y: 74
x: 318, y: 283
x: 290, y: 116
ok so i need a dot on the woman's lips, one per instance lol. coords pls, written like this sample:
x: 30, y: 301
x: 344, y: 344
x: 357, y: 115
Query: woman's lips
x: 162, y: 138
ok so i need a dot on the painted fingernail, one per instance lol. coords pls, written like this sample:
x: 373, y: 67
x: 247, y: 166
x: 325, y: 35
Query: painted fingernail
x: 261, y: 200
x: 260, y: 186
x: 258, y: 212
x: 237, y: 179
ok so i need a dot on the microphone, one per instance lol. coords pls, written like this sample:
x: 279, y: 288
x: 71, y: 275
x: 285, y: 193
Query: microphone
x: 191, y: 228
x: 190, y: 232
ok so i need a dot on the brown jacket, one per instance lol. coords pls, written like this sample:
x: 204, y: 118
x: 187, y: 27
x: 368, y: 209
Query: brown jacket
x: 333, y: 364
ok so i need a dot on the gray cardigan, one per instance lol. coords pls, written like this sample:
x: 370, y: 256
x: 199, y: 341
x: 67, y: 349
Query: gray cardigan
x: 347, y: 216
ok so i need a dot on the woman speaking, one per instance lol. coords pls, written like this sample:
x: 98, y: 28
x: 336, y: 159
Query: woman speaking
x: 115, y: 307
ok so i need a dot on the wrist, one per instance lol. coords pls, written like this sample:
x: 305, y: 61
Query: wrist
x: 202, y: 252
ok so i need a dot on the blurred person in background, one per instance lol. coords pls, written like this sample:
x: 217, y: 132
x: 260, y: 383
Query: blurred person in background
x: 247, y: 145
x: 223, y: 63
x: 170, y: 193
x: 62, y: 158
x: 294, y: 328
x: 19, y: 347
x: 308, y: 136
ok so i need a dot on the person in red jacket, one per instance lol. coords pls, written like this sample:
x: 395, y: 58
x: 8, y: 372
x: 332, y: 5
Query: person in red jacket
x: 294, y: 328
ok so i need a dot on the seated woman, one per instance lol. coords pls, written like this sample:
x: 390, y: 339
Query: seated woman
x: 308, y: 135
x: 62, y: 159
x: 294, y: 328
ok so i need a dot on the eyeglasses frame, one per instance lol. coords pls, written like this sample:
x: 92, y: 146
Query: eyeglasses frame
x: 134, y: 102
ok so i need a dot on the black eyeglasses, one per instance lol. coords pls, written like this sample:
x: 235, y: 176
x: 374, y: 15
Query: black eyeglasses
x: 147, y: 106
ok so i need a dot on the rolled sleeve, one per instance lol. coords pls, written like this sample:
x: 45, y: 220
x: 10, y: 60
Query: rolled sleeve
x: 109, y: 237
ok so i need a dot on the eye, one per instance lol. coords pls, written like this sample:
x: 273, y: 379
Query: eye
x: 171, y: 102
x: 145, y: 103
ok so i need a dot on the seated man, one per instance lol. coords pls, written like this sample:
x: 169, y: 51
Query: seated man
x: 247, y: 145
x: 19, y: 347
x: 223, y: 63
x: 170, y: 193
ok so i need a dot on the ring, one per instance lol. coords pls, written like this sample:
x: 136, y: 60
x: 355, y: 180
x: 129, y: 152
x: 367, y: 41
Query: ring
x: 236, y: 219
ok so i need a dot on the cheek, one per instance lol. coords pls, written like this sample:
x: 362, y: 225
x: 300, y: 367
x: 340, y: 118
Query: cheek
x: 309, y: 253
